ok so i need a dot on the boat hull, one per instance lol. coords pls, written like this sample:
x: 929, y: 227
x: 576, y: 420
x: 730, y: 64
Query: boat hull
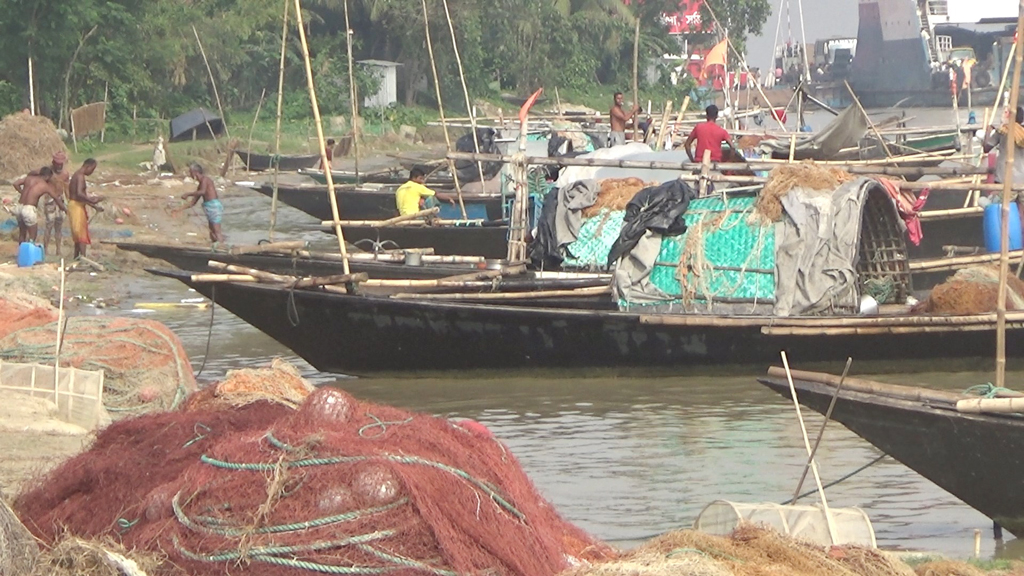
x: 486, y: 241
x: 976, y: 458
x: 413, y: 336
x: 370, y: 204
x: 286, y: 163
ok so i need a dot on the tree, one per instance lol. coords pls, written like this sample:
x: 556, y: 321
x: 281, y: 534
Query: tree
x: 739, y: 18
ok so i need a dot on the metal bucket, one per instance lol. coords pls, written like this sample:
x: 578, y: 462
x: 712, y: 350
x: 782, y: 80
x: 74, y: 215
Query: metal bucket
x: 413, y: 259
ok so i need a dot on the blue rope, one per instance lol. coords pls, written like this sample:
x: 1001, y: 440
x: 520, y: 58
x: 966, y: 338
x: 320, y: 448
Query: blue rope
x: 987, y: 390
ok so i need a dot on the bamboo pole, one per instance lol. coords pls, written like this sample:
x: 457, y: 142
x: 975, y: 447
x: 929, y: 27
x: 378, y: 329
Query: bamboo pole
x: 810, y: 454
x: 320, y: 137
x: 465, y: 90
x: 636, y: 75
x: 385, y: 223
x: 955, y: 263
x: 1004, y: 257
x: 31, y: 89
x: 857, y: 167
x: 536, y: 294
x: 660, y: 143
x: 871, y: 124
x: 352, y: 97
x: 277, y: 126
x: 213, y: 83
x: 440, y: 109
x: 103, y: 130
x: 821, y: 431
x: 271, y: 247
x: 60, y: 329
x: 255, y: 118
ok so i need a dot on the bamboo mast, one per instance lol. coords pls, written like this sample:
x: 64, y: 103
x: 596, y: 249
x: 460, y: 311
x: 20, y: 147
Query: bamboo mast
x: 636, y: 75
x: 440, y: 109
x: 465, y: 90
x: 1004, y: 257
x: 213, y: 83
x: 277, y: 128
x: 352, y: 99
x: 31, y: 89
x: 320, y: 137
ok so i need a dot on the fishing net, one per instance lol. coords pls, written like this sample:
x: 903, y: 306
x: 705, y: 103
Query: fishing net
x: 749, y: 551
x: 281, y: 382
x: 784, y: 178
x: 18, y: 311
x: 337, y: 486
x: 973, y: 290
x: 144, y: 363
x: 26, y: 143
x: 130, y: 471
x: 615, y: 193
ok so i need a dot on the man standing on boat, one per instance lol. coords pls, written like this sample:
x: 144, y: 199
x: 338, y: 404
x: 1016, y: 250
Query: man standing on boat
x: 78, y: 199
x: 211, y: 202
x: 619, y: 118
x: 997, y: 139
x: 413, y: 194
x: 709, y: 136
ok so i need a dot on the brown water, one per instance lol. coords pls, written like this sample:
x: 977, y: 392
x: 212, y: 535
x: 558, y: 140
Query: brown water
x: 625, y: 458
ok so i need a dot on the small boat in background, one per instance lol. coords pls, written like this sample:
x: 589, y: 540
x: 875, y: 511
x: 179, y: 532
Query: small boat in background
x: 255, y: 162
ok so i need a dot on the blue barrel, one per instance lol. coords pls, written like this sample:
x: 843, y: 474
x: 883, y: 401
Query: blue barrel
x: 993, y: 222
x: 29, y: 254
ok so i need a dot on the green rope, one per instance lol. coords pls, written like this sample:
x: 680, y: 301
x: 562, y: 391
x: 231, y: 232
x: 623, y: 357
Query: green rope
x: 322, y: 568
x: 192, y: 524
x: 883, y: 290
x: 124, y: 525
x: 272, y: 550
x: 403, y: 561
x: 987, y: 390
x: 378, y: 423
x: 198, y: 435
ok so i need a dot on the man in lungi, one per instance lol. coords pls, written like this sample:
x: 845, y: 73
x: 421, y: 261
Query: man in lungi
x: 211, y: 202
x: 31, y: 189
x: 78, y: 199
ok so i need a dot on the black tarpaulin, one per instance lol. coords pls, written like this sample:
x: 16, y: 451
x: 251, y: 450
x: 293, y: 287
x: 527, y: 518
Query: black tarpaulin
x: 196, y: 124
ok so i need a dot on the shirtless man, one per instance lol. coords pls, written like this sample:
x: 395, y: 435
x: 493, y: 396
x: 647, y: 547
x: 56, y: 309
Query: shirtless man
x: 55, y: 218
x: 78, y: 199
x: 618, y: 121
x: 211, y: 203
x: 31, y: 188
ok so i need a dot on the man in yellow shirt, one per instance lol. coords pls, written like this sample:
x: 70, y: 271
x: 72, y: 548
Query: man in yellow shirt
x: 410, y: 196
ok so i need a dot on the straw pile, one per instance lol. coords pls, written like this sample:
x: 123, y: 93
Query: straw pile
x: 26, y: 143
x: 749, y: 551
x: 281, y: 383
x: 973, y: 290
x: 615, y: 194
x: 18, y: 550
x: 75, y: 557
x: 786, y: 177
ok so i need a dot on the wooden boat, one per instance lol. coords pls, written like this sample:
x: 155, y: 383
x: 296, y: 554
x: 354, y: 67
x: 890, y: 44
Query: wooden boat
x: 975, y: 457
x: 488, y: 239
x: 372, y: 202
x: 403, y: 335
x: 395, y: 175
x: 286, y: 162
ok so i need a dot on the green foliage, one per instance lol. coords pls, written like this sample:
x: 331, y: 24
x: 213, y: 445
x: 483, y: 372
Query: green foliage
x: 397, y: 115
x: 145, y: 56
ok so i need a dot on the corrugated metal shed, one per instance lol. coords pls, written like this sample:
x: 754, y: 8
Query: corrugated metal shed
x: 387, y: 73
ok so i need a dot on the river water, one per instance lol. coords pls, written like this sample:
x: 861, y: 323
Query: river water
x: 623, y: 457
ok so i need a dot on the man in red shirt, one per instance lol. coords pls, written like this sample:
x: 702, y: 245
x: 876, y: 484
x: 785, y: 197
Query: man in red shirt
x: 709, y: 136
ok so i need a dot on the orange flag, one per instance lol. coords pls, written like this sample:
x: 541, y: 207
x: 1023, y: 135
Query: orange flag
x: 717, y: 55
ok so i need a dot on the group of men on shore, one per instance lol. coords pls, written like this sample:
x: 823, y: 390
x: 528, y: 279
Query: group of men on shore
x: 53, y: 184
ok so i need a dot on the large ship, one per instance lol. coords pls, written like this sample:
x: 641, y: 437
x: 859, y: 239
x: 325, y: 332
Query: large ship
x: 917, y: 52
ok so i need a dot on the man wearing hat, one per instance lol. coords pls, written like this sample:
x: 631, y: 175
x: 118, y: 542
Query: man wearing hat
x: 55, y: 217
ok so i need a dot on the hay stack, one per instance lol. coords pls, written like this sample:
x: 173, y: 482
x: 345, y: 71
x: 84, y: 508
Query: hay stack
x: 615, y: 194
x: 749, y: 551
x: 18, y: 549
x: 789, y: 176
x: 948, y: 568
x: 26, y: 143
x: 76, y: 557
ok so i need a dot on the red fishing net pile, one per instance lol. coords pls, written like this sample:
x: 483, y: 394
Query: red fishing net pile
x: 337, y: 486
x: 19, y: 311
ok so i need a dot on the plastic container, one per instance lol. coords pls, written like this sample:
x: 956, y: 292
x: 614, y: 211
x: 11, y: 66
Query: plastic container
x: 29, y: 254
x: 993, y: 222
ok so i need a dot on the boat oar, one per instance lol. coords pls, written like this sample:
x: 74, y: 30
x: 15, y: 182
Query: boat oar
x: 807, y: 446
x: 821, y: 432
